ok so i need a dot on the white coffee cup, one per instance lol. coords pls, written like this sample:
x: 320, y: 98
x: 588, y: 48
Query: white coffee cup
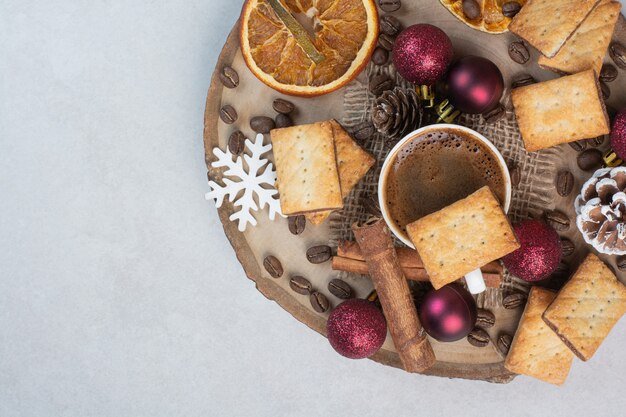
x: 474, y: 279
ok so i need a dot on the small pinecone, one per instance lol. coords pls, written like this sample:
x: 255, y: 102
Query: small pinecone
x: 397, y: 112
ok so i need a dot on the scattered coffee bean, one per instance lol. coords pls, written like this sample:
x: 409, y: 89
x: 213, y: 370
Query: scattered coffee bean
x: 386, y: 41
x: 319, y: 254
x: 511, y: 8
x: 390, y: 25
x: 516, y: 175
x: 301, y: 285
x: 557, y: 219
x: 519, y: 52
x: 381, y: 83
x: 471, y: 9
x: 380, y: 56
x: 340, y: 289
x: 595, y: 142
x: 504, y: 344
x: 283, y: 120
x: 608, y: 73
x: 262, y: 124
x: 478, y: 337
x: 621, y: 262
x: 564, y: 183
x: 492, y: 116
x: 319, y: 302
x: 485, y: 318
x: 589, y: 160
x: 229, y: 77
x: 578, y: 145
x: 561, y: 272
x: 228, y: 114
x: 606, y: 90
x: 297, y: 224
x: 523, y: 80
x: 363, y: 131
x: 389, y: 5
x: 273, y: 266
x: 514, y: 300
x: 283, y: 106
x: 568, y: 247
x: 236, y: 142
x: 617, y: 51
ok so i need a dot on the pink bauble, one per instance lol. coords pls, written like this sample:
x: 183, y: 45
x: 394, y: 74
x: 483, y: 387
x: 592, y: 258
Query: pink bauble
x: 539, y: 254
x: 618, y: 134
x: 449, y: 313
x: 422, y: 53
x: 356, y: 329
x: 474, y: 85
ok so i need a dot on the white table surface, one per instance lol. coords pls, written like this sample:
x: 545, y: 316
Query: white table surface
x: 119, y: 293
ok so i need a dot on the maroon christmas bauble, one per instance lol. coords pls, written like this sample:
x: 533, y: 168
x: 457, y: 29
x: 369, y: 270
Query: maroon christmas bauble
x: 474, y: 85
x: 618, y: 134
x: 356, y: 329
x: 449, y: 313
x: 422, y: 53
x: 539, y: 253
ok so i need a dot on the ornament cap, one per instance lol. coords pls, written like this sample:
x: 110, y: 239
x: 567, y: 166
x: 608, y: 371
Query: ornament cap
x: 446, y: 112
x: 611, y: 159
x: 426, y: 93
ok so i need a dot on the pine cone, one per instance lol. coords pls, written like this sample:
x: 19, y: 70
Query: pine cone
x: 397, y: 112
x: 601, y: 209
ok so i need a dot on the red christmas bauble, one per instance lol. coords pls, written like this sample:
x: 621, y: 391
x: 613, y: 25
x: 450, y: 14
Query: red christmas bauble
x: 356, y: 329
x: 474, y: 85
x: 449, y: 313
x: 539, y: 254
x: 422, y: 53
x: 618, y: 134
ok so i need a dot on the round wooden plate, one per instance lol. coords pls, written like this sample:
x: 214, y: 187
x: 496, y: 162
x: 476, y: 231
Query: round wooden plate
x: 252, y: 98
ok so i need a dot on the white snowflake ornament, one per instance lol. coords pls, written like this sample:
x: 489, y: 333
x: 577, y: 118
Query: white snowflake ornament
x: 251, y: 183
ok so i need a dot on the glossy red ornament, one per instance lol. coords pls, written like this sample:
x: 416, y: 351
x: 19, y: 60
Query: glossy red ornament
x: 474, y: 85
x: 422, y: 53
x: 618, y: 134
x: 356, y: 329
x: 449, y: 313
x: 539, y: 254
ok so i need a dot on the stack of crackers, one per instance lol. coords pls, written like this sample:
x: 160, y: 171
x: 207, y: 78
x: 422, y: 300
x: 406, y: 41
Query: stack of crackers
x: 317, y: 165
x: 573, y: 37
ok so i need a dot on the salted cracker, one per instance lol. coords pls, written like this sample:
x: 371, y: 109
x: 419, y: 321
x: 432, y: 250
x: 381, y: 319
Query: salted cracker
x: 306, y: 168
x: 536, y: 350
x: 587, y: 307
x: 559, y: 111
x: 462, y: 237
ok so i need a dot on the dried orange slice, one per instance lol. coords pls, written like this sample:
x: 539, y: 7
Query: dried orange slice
x: 491, y: 19
x: 308, y: 47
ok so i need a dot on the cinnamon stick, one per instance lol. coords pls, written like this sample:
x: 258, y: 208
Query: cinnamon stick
x: 414, y: 349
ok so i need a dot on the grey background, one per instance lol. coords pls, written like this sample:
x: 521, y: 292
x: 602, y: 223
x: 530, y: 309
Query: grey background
x: 119, y: 294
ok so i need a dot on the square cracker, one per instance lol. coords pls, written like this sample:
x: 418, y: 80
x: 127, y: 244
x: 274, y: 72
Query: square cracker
x: 561, y: 110
x: 587, y: 307
x: 306, y: 168
x: 352, y: 162
x: 462, y: 237
x: 547, y: 24
x: 586, y: 48
x: 535, y: 350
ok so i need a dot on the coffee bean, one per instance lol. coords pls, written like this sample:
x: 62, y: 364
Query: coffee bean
x: 606, y: 90
x: 511, y: 8
x: 518, y: 52
x: 389, y: 5
x: 319, y: 254
x: 381, y: 83
x: 471, y: 9
x: 578, y: 145
x: 504, y: 343
x: 621, y: 262
x: 229, y: 77
x: 228, y: 114
x: 516, y: 175
x: 283, y: 120
x: 617, y: 51
x: 319, y: 302
x: 557, y: 219
x: 523, y: 80
x: 380, y: 56
x: 478, y: 337
x: 589, y: 159
x: 492, y: 116
x: 363, y: 131
x: 390, y: 25
x: 485, y: 318
x: 514, y: 300
x: 370, y: 205
x: 386, y: 41
x: 567, y: 246
x: 340, y: 289
x: 236, y: 142
x: 262, y: 124
x: 564, y: 183
x: 608, y: 73
x: 595, y: 142
x: 296, y: 224
x: 283, y: 106
x: 301, y: 285
x: 273, y: 266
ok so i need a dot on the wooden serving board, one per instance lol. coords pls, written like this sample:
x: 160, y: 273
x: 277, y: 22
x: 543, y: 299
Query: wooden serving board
x: 252, y: 98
